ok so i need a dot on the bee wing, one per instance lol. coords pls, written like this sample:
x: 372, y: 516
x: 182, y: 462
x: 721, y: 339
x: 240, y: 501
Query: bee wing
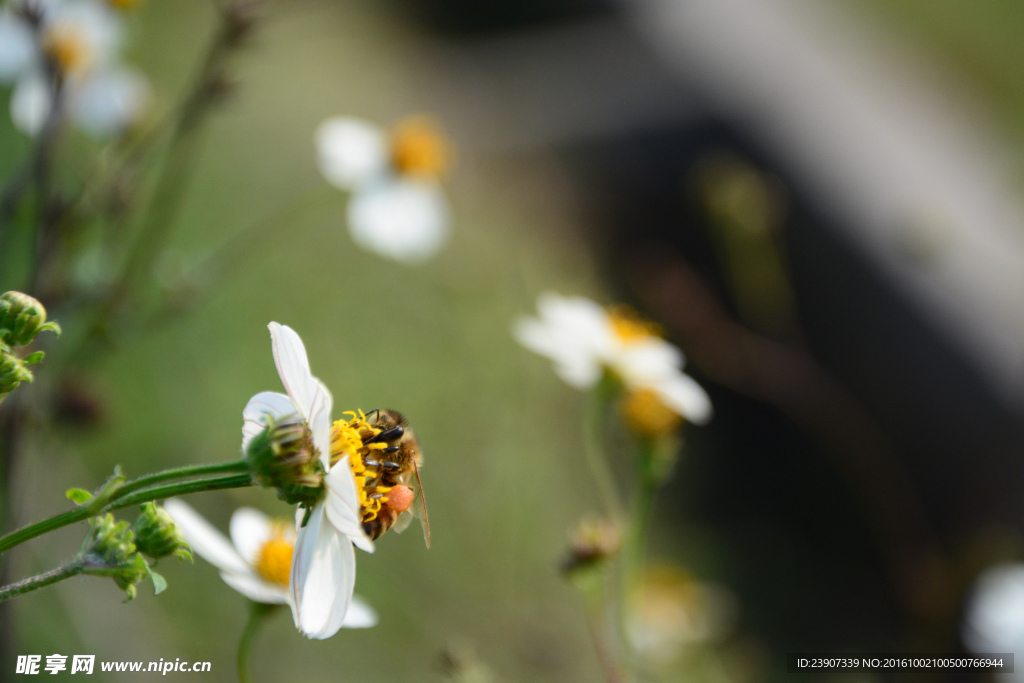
x: 402, y: 523
x: 421, y: 506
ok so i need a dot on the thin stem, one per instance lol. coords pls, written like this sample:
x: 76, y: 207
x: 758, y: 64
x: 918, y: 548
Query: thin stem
x: 597, y: 621
x: 645, y: 489
x: 66, y: 571
x: 231, y: 481
x: 595, y: 422
x: 117, y: 501
x: 258, y: 611
x: 181, y: 473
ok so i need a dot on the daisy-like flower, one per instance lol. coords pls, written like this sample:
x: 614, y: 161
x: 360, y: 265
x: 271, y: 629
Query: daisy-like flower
x: 323, y: 570
x: 584, y: 340
x: 396, y: 208
x: 257, y: 561
x: 77, y: 41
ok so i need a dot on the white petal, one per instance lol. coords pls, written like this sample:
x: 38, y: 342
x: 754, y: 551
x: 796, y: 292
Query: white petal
x: 343, y: 599
x: 258, y: 408
x: 257, y: 589
x: 359, y: 614
x: 293, y: 367
x: 109, y: 101
x: 646, y: 362
x: 342, y: 505
x: 30, y: 104
x: 96, y: 24
x: 205, y: 540
x: 250, y: 530
x: 320, y: 422
x: 17, y: 48
x: 401, y: 219
x: 687, y: 398
x: 350, y: 151
x: 323, y: 576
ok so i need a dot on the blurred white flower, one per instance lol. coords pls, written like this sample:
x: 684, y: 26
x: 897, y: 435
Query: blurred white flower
x: 257, y: 561
x: 323, y: 570
x: 80, y: 40
x: 397, y: 209
x: 994, y: 616
x: 583, y: 339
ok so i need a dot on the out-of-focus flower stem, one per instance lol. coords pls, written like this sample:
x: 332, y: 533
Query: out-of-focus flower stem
x: 646, y: 480
x: 595, y: 432
x: 114, y: 497
x: 65, y: 571
x: 601, y: 632
x: 258, y: 612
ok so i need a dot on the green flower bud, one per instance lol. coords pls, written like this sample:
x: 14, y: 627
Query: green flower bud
x: 22, y: 318
x: 110, y: 550
x: 12, y: 370
x: 283, y: 457
x: 157, y: 536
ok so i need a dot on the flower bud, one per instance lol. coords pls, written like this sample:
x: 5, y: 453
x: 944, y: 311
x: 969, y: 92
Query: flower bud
x: 157, y: 535
x: 283, y: 457
x: 12, y: 371
x: 22, y: 318
x: 110, y: 550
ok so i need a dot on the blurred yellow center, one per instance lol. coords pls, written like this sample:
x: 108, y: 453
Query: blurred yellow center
x: 419, y: 148
x: 123, y: 4
x: 274, y: 560
x: 629, y: 326
x: 647, y: 416
x: 68, y: 49
x: 348, y: 437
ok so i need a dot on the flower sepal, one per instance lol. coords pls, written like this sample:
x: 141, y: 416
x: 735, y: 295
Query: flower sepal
x: 22, y: 318
x: 283, y: 457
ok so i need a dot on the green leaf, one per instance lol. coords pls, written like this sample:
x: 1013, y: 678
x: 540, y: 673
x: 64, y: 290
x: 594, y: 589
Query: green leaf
x: 78, y: 496
x: 159, y: 582
x: 33, y: 358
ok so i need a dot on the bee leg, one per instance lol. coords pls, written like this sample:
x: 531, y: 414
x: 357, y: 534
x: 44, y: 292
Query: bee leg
x: 388, y: 435
x: 390, y: 465
x: 370, y: 462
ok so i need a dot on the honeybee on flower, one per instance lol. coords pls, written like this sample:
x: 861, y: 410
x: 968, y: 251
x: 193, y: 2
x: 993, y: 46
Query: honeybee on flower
x: 584, y: 340
x: 397, y: 208
x: 336, y: 473
x: 75, y: 43
x: 257, y: 560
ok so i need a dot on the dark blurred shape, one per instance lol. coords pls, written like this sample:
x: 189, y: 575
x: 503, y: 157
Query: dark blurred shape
x: 467, y: 18
x: 79, y: 404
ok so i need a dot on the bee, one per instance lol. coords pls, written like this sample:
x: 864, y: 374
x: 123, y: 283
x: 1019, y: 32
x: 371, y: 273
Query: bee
x: 397, y: 465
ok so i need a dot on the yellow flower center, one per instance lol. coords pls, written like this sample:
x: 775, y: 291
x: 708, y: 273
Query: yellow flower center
x: 68, y: 49
x: 647, y: 416
x: 630, y: 326
x: 349, y: 437
x: 123, y: 4
x: 419, y: 148
x: 274, y: 559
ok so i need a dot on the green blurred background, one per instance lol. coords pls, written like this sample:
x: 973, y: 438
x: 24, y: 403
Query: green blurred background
x: 501, y: 435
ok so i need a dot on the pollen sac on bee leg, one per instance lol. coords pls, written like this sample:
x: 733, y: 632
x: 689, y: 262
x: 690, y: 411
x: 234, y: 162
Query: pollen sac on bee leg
x: 400, y: 498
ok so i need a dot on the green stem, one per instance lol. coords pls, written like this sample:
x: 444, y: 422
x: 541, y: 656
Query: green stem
x: 116, y: 500
x: 641, y: 513
x: 181, y: 473
x: 595, y: 432
x: 600, y: 633
x: 230, y: 481
x: 258, y: 611
x: 66, y: 571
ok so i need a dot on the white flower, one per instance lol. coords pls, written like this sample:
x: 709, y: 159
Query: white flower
x: 994, y: 617
x: 81, y: 38
x: 323, y: 570
x: 259, y: 563
x: 397, y: 209
x: 584, y: 339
